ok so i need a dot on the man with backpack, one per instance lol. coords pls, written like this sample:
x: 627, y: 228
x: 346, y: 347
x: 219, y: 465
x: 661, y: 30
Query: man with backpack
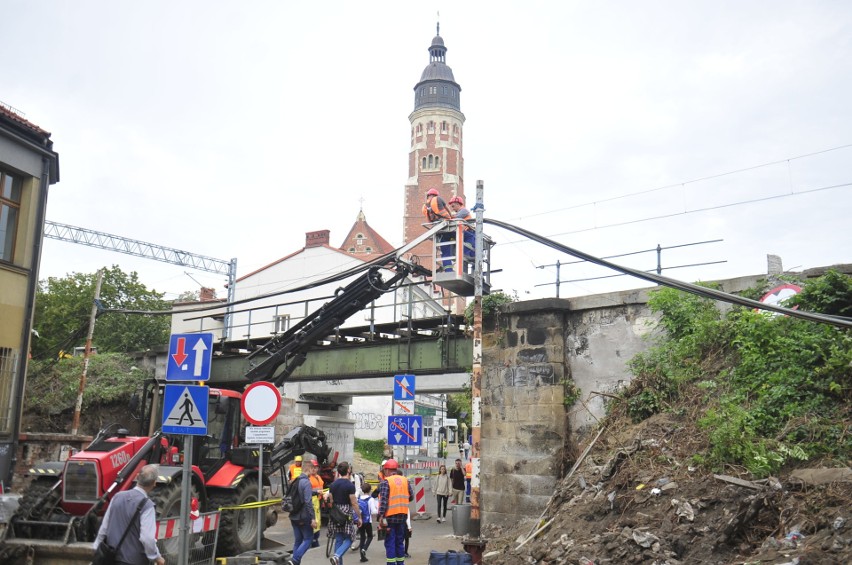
x: 302, y: 516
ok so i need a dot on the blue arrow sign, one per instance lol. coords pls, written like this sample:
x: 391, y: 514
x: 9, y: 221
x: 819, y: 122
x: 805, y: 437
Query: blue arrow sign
x: 189, y: 357
x: 403, y: 387
x: 185, y: 410
x: 405, y: 430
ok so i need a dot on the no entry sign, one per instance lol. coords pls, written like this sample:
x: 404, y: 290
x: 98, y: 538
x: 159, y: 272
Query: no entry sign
x: 261, y: 403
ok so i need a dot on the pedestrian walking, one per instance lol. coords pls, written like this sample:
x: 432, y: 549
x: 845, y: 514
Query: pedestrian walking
x: 369, y: 507
x: 305, y: 520
x: 129, y: 525
x: 317, y: 492
x: 343, y: 527
x: 395, y: 494
x: 442, y: 489
x: 457, y: 483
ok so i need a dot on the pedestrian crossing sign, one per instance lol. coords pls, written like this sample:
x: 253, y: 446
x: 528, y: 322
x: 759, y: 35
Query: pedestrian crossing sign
x: 185, y: 410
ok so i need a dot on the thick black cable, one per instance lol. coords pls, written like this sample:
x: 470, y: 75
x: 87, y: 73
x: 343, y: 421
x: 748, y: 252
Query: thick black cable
x: 705, y: 292
x: 379, y: 261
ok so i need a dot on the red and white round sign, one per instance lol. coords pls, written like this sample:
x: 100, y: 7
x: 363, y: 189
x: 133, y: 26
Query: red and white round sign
x: 261, y: 403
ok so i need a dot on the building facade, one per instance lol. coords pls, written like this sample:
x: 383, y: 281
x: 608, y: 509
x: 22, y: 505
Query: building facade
x: 28, y: 166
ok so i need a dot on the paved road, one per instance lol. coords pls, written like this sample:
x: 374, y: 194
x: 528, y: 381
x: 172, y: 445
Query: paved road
x: 427, y: 535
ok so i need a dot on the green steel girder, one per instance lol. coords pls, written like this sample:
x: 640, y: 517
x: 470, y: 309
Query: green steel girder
x: 434, y: 355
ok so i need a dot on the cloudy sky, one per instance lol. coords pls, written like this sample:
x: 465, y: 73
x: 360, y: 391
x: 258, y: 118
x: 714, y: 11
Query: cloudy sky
x: 229, y: 129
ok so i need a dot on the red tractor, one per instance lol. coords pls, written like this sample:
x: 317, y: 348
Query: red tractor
x: 61, y: 510
x: 65, y: 500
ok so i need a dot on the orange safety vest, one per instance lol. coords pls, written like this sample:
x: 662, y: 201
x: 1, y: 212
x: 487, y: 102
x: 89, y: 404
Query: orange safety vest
x: 316, y: 483
x: 433, y: 211
x: 398, y: 495
x: 468, y: 470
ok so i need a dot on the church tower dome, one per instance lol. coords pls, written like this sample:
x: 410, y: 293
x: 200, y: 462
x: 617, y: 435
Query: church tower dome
x: 435, y: 158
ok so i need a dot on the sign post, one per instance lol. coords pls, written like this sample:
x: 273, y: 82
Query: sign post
x: 260, y: 404
x: 185, y: 411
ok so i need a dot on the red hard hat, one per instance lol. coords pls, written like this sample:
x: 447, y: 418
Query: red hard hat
x: 432, y: 192
x: 456, y: 200
x: 391, y: 464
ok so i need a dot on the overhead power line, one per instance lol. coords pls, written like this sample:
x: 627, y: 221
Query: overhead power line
x: 694, y: 211
x: 705, y: 292
x: 692, y: 181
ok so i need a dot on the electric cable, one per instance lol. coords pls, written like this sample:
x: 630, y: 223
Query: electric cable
x: 379, y: 261
x: 705, y: 292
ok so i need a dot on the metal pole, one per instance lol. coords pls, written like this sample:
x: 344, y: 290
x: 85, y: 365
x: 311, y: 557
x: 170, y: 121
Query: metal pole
x: 557, y: 277
x: 185, y: 491
x: 260, y: 509
x: 78, y: 407
x: 476, y: 378
x: 659, y: 259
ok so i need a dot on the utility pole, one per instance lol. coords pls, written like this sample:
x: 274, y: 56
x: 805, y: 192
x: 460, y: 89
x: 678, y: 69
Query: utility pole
x: 75, y: 425
x: 474, y: 544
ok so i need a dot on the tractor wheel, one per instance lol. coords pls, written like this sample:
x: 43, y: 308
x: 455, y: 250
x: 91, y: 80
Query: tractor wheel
x: 167, y: 504
x: 237, y: 528
x: 36, y: 505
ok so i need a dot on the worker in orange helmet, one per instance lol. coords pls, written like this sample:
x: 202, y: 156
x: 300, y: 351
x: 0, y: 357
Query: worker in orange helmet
x: 395, y: 494
x: 435, y: 209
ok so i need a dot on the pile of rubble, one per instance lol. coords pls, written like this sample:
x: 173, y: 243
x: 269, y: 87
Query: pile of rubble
x: 638, y: 500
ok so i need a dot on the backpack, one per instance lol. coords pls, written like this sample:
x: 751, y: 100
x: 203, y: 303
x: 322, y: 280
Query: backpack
x: 293, y: 501
x: 364, y: 505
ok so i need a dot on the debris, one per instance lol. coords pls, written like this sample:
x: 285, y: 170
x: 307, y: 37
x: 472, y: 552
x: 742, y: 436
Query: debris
x: 838, y: 523
x: 655, y: 491
x: 669, y: 486
x: 644, y: 539
x: 684, y: 509
x: 823, y: 475
x: 738, y: 482
x: 640, y: 486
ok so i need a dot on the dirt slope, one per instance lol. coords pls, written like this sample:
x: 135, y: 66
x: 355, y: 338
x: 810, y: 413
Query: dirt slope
x: 636, y: 499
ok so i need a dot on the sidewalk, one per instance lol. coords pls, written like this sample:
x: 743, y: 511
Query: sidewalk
x: 427, y: 534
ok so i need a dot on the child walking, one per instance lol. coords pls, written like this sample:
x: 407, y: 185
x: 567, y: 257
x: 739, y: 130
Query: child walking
x: 369, y: 506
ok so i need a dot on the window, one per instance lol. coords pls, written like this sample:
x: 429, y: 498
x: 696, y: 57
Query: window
x: 10, y: 205
x: 444, y: 127
x: 431, y: 127
x: 368, y: 249
x: 437, y: 162
x: 431, y: 161
x: 424, y: 163
x: 281, y: 323
x: 433, y: 90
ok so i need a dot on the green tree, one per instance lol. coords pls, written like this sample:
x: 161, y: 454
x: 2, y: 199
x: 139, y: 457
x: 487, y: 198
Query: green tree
x: 63, y: 306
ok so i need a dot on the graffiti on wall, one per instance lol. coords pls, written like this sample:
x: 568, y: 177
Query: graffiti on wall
x: 367, y: 420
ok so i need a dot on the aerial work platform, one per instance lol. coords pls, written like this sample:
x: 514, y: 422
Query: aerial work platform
x: 454, y: 251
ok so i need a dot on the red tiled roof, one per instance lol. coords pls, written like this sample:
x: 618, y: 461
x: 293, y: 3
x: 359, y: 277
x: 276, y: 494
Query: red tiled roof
x: 12, y: 116
x: 379, y: 245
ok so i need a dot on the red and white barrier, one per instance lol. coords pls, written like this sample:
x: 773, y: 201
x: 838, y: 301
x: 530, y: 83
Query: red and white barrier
x: 420, y: 495
x: 422, y: 465
x: 170, y: 527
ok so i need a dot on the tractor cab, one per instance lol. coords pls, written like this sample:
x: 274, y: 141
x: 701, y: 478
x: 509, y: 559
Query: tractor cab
x: 454, y: 252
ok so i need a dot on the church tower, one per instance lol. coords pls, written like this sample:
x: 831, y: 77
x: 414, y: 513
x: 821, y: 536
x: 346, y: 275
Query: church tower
x: 435, y: 159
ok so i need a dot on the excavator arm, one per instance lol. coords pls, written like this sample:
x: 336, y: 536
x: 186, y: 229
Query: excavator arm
x: 289, y: 348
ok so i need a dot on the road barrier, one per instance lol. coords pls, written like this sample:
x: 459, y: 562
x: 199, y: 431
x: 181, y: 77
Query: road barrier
x: 202, y: 547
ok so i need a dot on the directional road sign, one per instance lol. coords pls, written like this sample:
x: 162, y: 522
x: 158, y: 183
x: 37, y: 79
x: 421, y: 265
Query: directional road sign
x: 403, y: 387
x: 189, y: 357
x: 405, y: 430
x: 185, y: 410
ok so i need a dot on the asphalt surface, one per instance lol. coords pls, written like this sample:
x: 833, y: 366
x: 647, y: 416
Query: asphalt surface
x: 427, y: 535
